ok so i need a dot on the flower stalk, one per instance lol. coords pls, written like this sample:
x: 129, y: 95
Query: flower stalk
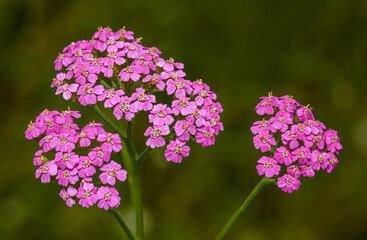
x: 237, y: 214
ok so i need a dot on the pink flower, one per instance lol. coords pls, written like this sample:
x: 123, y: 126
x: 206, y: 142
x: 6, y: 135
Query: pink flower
x: 46, y: 170
x: 108, y: 197
x: 263, y: 141
x: 84, y: 73
x: 205, y: 136
x: 267, y: 166
x: 111, y: 171
x: 176, y: 150
x: 65, y: 143
x: 129, y: 73
x: 304, y: 114
x: 160, y: 115
x: 280, y: 122
x: 48, y: 142
x: 283, y: 155
x: 288, y: 183
x: 67, y: 195
x: 111, y: 97
x: 169, y: 65
x: 319, y: 159
x: 87, y: 94
x: 87, y: 194
x: 67, y: 90
x: 95, y: 128
x: 173, y: 75
x: 66, y: 160
x: 332, y: 141
x: 267, y: 104
x: 98, y: 156
x: 111, y: 142
x: 294, y: 171
x: 180, y: 87
x: 86, y: 169
x: 183, y: 106
x: 333, y: 162
x: 301, y: 131
x: 307, y: 171
x: 205, y: 97
x: 260, y: 126
x: 125, y: 108
x: 32, y: 131
x: 289, y: 138
x: 155, y: 134
x: 37, y: 161
x: 155, y: 80
x: 144, y: 102
x: 302, y: 154
x: 184, y: 129
x: 198, y: 115
x: 67, y: 176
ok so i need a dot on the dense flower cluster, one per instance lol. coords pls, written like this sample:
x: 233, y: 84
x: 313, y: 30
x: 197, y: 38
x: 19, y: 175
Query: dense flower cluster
x: 74, y: 157
x: 298, y: 144
x: 114, y: 68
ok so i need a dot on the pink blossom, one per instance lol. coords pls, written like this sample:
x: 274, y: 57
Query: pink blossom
x: 304, y: 114
x: 205, y: 136
x: 67, y: 90
x: 205, y: 98
x: 283, y: 155
x: 288, y: 183
x: 48, y: 142
x: 180, y: 87
x: 133, y: 50
x: 85, y: 137
x: 160, y: 115
x: 214, y: 123
x: 333, y: 162
x: 129, y: 73
x: 173, y: 75
x: 68, y: 195
x: 125, y: 108
x: 87, y: 94
x: 67, y: 176
x: 111, y: 97
x: 267, y: 166
x: 301, y: 131
x: 307, y: 171
x: 332, y: 141
x: 294, y: 171
x: 169, y: 65
x: 198, y: 86
x: 183, y: 106
x: 87, y: 194
x: 302, y: 154
x: 155, y: 134
x: 267, y: 104
x: 66, y: 160
x: 260, y: 126
x: 63, y: 59
x: 319, y: 159
x: 95, y: 128
x: 155, y: 80
x: 65, y: 143
x: 314, y: 140
x: 98, y: 156
x: 198, y: 115
x: 184, y: 129
x: 37, y: 161
x: 280, y: 122
x: 111, y: 142
x: 86, y: 169
x: 111, y: 171
x: 289, y: 138
x: 32, y: 131
x: 176, y: 150
x: 84, y: 73
x: 144, y: 102
x: 46, y: 170
x: 108, y: 197
x: 263, y: 141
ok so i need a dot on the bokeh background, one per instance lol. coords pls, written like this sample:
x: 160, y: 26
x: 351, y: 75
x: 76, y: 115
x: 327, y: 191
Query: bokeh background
x: 315, y: 50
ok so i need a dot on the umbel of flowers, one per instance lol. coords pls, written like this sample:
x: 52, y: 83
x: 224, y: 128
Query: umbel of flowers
x: 116, y: 69
x: 296, y: 144
x: 78, y: 159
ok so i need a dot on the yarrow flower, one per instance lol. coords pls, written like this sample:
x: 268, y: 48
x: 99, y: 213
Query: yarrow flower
x: 76, y: 167
x: 114, y: 68
x: 296, y: 144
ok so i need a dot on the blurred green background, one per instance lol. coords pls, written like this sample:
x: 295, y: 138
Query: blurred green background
x: 315, y: 50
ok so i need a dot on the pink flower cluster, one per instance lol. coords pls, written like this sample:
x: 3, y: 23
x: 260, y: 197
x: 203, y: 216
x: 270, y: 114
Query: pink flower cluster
x: 297, y: 144
x: 73, y: 156
x: 114, y: 68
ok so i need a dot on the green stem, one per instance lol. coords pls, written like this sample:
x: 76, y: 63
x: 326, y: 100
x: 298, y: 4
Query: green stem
x: 236, y: 215
x: 105, y: 84
x: 138, y: 204
x: 122, y: 223
x: 108, y: 121
x: 143, y: 154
